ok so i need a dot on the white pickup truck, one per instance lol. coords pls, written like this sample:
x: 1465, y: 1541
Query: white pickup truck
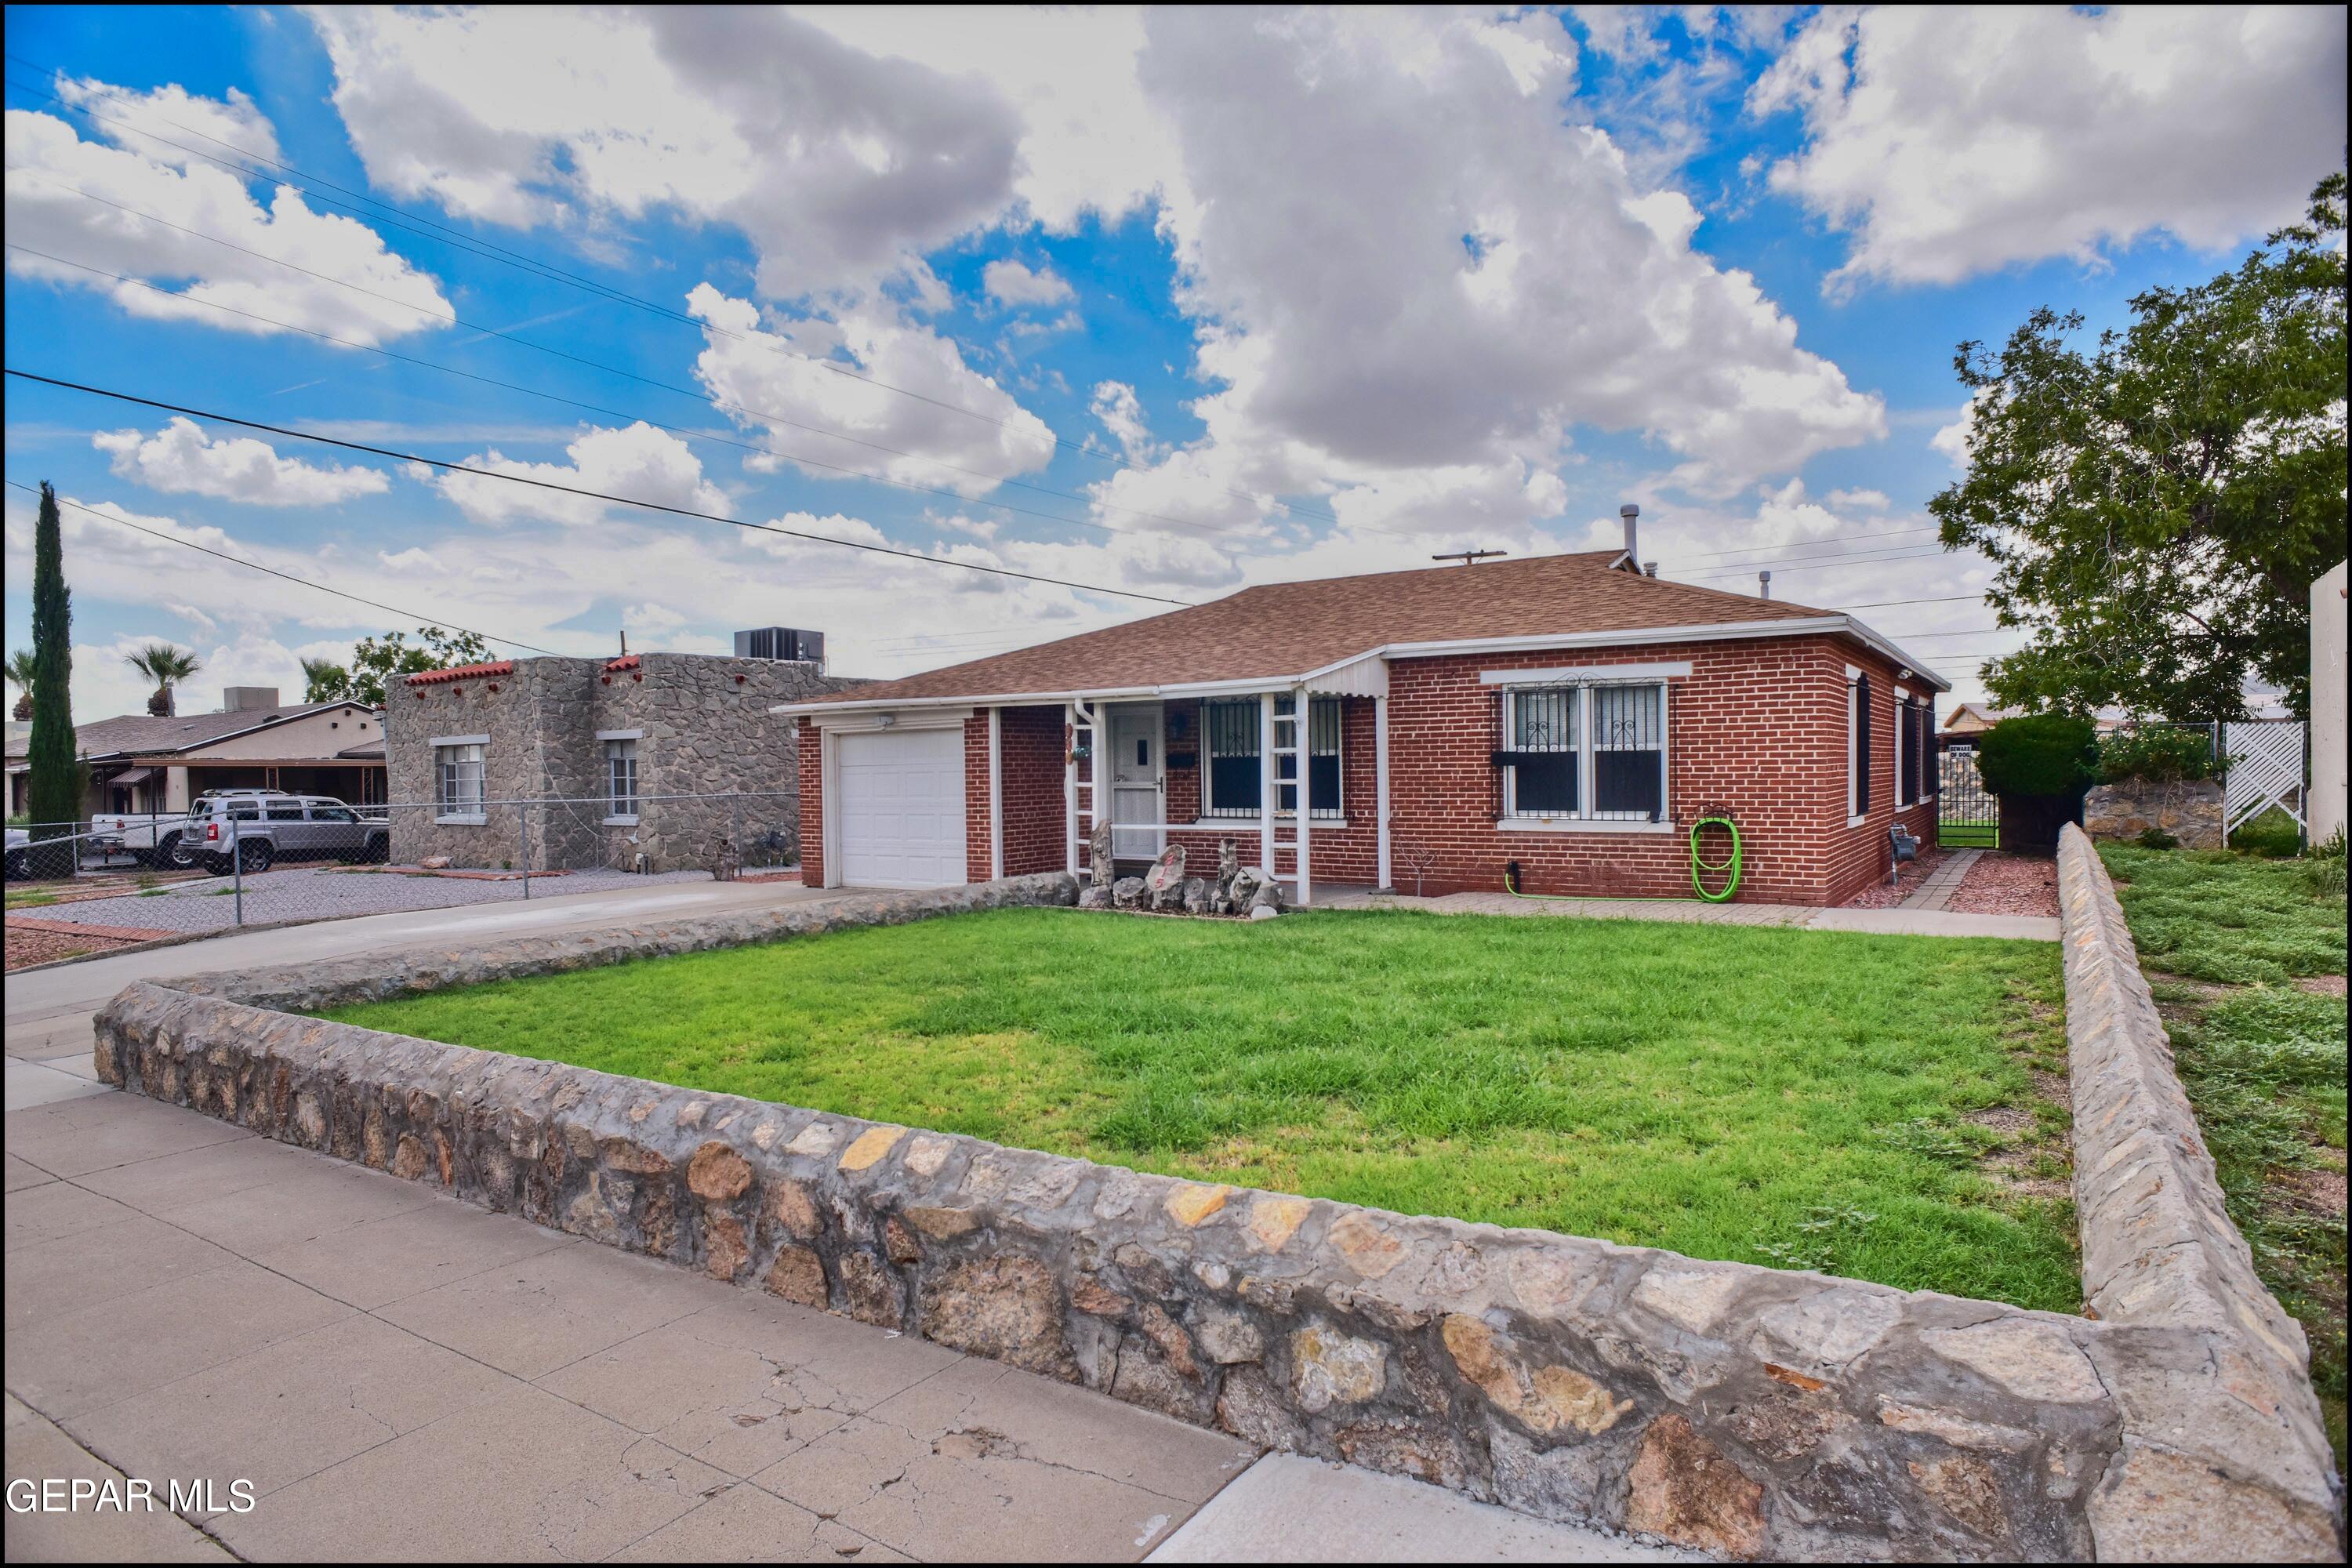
x: 154, y: 838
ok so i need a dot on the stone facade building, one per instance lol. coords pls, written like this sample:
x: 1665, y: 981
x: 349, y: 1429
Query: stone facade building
x: 611, y: 753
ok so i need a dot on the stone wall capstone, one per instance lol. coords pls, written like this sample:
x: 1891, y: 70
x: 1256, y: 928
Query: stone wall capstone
x: 1751, y: 1412
x: 2223, y: 1461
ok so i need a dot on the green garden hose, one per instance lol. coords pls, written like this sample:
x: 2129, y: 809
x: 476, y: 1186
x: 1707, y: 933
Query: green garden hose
x: 1699, y: 863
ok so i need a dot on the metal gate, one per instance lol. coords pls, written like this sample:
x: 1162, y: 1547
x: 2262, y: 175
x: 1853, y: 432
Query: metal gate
x: 1967, y: 815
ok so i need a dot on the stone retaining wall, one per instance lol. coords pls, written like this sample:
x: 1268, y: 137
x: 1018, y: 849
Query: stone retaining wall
x: 2234, y: 1462
x: 2187, y: 809
x: 1746, y: 1411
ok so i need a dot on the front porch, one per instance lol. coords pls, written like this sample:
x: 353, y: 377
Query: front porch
x: 1296, y: 776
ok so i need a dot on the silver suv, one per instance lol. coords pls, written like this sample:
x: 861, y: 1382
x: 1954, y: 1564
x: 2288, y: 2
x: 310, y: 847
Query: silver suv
x: 261, y: 829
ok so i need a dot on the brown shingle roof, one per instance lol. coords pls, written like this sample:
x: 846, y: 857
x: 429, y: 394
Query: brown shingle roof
x: 143, y: 735
x: 1288, y: 628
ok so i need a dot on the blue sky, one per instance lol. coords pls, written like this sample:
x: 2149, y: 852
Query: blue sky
x: 1154, y: 305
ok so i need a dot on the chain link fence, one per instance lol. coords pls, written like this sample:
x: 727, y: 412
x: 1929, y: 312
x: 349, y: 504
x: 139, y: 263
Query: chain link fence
x: 258, y: 856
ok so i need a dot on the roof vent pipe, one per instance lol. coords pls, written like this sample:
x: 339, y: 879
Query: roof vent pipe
x: 1764, y: 583
x: 1649, y: 568
x: 1629, y: 511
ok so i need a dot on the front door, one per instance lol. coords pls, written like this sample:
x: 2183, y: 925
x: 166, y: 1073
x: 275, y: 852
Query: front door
x: 1136, y: 783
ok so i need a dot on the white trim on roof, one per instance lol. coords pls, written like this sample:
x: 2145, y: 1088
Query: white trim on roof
x: 1726, y: 631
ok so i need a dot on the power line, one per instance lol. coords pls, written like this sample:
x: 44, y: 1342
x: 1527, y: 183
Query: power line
x: 592, y: 495
x: 491, y: 251
x: 1800, y: 543
x: 700, y: 397
x: 256, y: 566
x: 684, y: 432
x: 1817, y: 564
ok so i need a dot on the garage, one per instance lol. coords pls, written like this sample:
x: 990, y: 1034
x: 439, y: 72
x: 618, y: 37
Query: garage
x: 901, y: 807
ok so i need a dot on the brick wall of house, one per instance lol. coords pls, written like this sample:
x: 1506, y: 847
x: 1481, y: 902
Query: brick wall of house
x: 1034, y: 741
x: 1759, y: 730
x: 812, y: 771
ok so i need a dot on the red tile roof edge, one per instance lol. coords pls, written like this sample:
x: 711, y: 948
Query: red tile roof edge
x: 626, y: 662
x: 462, y: 672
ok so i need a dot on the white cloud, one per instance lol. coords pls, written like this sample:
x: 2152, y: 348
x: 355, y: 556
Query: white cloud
x: 1864, y: 500
x: 1012, y: 283
x: 638, y: 463
x: 843, y: 169
x: 180, y: 458
x: 1949, y: 141
x: 172, y: 125
x: 48, y: 165
x: 1955, y: 440
x: 1121, y: 413
x: 900, y: 396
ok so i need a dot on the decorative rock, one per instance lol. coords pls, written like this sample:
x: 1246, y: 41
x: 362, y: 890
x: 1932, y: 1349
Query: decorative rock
x: 1682, y: 1489
x: 1964, y: 1488
x: 1196, y: 896
x: 1692, y: 1299
x: 1167, y: 873
x: 1007, y: 1307
x: 434, y: 863
x: 2031, y: 1360
x: 724, y: 1249
x: 1090, y: 1296
x: 925, y: 1156
x: 899, y: 1243
x: 717, y: 1174
x: 1228, y: 1338
x: 1241, y: 887
x: 1099, y: 860
x: 1229, y: 863
x: 1369, y: 1251
x: 1193, y: 1201
x: 941, y: 1223
x: 869, y: 1293
x: 1266, y: 895
x: 1957, y: 1430
x: 790, y: 1202
x: 870, y: 1146
x: 1274, y: 1219
x: 1095, y: 897
x: 1547, y: 1399
x: 1251, y: 1407
x: 1265, y: 911
x: 798, y: 1275
x: 1331, y: 1368
x: 1127, y: 893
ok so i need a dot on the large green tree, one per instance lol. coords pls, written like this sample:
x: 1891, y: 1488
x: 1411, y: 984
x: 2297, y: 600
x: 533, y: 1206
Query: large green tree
x: 54, y: 787
x: 2155, y: 509
x: 377, y: 662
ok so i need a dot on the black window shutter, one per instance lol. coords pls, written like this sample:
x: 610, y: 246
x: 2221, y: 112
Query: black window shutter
x: 1931, y: 757
x: 1862, y: 743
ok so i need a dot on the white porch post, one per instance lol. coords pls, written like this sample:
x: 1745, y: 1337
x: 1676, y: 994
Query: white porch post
x: 1381, y: 780
x: 1070, y: 783
x: 1302, y: 735
x: 996, y: 792
x: 1265, y: 779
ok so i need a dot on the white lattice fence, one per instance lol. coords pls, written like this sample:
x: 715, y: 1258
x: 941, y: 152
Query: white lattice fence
x: 2265, y: 770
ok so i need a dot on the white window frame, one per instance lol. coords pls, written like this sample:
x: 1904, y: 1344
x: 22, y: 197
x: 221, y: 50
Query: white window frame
x: 614, y: 816
x: 1902, y: 744
x: 1855, y: 813
x: 443, y: 799
x: 1587, y: 817
x: 1335, y: 813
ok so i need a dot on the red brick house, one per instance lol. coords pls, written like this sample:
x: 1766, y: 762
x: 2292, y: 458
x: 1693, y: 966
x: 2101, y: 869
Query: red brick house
x: 1565, y: 713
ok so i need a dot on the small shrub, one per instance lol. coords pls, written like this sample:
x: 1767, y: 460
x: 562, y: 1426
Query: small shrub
x: 2157, y: 839
x: 2159, y: 754
x: 2039, y: 755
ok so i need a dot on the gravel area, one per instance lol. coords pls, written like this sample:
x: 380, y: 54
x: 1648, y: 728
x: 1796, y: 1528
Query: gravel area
x: 2005, y: 884
x: 324, y: 892
x: 25, y: 947
x: 1887, y: 895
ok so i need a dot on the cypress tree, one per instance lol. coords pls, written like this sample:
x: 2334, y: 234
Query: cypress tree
x: 54, y: 790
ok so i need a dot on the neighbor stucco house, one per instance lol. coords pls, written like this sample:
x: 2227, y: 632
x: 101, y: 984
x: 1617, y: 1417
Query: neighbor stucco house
x: 648, y: 761
x: 141, y: 763
x: 1566, y: 713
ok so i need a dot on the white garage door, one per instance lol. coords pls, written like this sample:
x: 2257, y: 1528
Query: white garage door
x: 901, y: 814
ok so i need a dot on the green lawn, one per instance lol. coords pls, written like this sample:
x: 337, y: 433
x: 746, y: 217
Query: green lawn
x: 2224, y: 938
x: 1861, y: 1104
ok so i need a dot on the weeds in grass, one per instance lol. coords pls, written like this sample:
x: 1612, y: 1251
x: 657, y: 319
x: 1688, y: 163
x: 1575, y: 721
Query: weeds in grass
x: 2263, y: 1064
x: 1822, y: 1231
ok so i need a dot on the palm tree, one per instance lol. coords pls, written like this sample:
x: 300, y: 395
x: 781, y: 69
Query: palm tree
x: 166, y: 666
x: 21, y: 665
x: 324, y: 680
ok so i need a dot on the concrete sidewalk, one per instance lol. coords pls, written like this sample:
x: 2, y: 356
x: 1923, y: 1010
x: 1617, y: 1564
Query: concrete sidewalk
x: 1900, y: 922
x: 396, y: 1375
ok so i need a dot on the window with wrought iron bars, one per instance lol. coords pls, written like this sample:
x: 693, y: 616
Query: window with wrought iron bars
x: 1237, y: 758
x: 1586, y: 752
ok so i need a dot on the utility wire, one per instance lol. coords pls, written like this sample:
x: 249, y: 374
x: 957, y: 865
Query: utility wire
x: 491, y: 251
x: 700, y: 397
x: 684, y: 432
x: 589, y: 494
x: 1800, y: 543
x: 288, y: 576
